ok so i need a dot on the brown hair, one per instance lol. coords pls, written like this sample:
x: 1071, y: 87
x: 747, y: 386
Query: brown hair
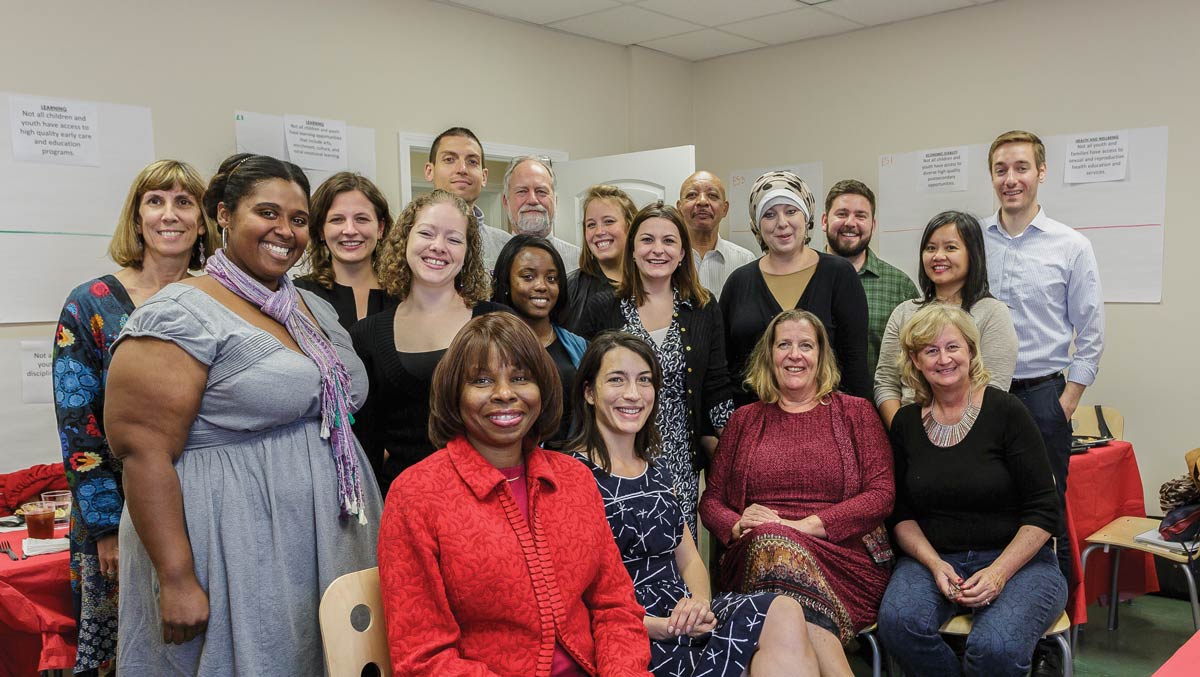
x: 922, y: 329
x: 473, y: 282
x: 509, y: 338
x: 849, y: 187
x: 320, y: 261
x: 1019, y: 136
x: 587, y: 260
x: 760, y: 369
x: 684, y: 279
x: 126, y: 248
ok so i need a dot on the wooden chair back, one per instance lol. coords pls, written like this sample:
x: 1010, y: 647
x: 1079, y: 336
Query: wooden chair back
x: 352, y: 627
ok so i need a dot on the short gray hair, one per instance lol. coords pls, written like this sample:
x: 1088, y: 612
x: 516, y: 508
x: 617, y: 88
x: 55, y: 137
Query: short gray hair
x: 541, y: 160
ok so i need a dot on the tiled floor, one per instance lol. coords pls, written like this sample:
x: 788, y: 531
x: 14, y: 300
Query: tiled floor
x: 1150, y: 630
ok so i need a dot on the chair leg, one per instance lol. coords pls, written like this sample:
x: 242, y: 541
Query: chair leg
x: 1113, y: 592
x: 1083, y: 560
x: 1191, y: 582
x: 1067, y: 658
x: 876, y: 654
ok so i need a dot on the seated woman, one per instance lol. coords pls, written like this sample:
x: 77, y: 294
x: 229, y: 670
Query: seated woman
x: 616, y: 398
x: 530, y: 278
x: 975, y: 507
x: 349, y: 218
x: 495, y: 557
x: 954, y: 272
x: 800, y: 487
x: 607, y: 213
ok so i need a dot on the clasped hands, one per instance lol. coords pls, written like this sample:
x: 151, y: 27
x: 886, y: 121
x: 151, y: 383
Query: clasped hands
x: 977, y: 591
x: 692, y: 616
x: 757, y: 515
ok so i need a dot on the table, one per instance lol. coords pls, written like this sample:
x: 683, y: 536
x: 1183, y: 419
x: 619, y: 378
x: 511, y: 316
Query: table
x: 37, y: 616
x: 1105, y: 484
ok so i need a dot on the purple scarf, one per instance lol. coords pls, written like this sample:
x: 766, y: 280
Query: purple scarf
x: 284, y: 307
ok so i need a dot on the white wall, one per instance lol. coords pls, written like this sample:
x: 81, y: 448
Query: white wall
x: 964, y: 77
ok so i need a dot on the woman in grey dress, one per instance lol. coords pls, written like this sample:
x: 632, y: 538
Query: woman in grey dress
x: 229, y: 402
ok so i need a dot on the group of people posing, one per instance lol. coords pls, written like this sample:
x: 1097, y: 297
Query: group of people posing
x: 515, y: 428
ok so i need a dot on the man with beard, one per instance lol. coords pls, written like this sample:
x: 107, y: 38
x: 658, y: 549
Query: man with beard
x: 456, y: 166
x: 530, y: 200
x: 849, y: 223
x: 702, y: 204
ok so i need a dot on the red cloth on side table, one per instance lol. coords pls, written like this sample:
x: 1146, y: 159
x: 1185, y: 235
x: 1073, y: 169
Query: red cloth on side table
x: 26, y: 485
x: 1105, y: 484
x: 37, y: 617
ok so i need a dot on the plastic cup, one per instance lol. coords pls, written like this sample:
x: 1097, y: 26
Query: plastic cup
x: 62, y: 505
x: 39, y: 519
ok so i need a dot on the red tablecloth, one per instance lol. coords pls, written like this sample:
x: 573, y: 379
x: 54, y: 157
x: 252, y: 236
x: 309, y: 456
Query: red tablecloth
x: 37, y: 618
x: 1184, y: 662
x: 1105, y: 484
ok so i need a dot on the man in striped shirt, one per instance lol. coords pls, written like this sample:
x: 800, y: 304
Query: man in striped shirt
x: 702, y: 204
x: 1046, y: 273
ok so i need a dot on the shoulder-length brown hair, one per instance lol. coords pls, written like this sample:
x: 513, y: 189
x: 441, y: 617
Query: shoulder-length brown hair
x: 760, y: 370
x: 126, y: 248
x: 922, y: 329
x: 685, y: 279
x: 320, y: 261
x: 509, y: 338
x: 647, y: 443
x: 619, y: 198
x: 472, y: 282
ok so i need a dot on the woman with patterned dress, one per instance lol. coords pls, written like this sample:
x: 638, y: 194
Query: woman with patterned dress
x: 161, y: 235
x: 763, y: 633
x: 800, y: 487
x: 661, y: 301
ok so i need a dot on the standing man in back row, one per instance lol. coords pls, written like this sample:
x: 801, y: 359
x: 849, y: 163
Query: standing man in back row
x: 849, y: 224
x: 702, y: 204
x: 530, y: 200
x: 456, y: 165
x: 1046, y: 273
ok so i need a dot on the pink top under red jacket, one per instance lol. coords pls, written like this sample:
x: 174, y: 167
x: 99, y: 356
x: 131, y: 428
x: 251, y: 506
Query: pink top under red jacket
x: 471, y: 588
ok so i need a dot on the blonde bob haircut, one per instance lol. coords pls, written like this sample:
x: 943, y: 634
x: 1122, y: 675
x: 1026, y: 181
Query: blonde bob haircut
x: 922, y: 329
x: 127, y: 249
x: 760, y: 369
x: 473, y: 282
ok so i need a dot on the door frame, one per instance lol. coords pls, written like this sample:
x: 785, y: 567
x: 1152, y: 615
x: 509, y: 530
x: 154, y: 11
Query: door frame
x: 407, y: 141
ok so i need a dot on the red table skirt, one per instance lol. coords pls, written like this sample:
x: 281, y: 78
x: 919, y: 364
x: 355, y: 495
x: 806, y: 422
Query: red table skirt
x: 1105, y: 484
x: 37, y: 616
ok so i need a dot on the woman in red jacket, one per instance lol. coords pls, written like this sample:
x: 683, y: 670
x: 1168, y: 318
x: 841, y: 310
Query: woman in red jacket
x: 495, y: 557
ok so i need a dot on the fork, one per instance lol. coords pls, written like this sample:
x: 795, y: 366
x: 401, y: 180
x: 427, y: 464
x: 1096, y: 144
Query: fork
x: 7, y: 549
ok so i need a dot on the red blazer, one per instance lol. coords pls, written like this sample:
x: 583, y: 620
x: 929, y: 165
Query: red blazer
x: 470, y: 589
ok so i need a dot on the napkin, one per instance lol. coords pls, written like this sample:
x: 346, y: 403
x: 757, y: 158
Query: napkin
x: 44, y: 546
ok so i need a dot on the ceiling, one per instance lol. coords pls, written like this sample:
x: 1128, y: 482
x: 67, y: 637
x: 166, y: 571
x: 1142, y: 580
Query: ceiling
x: 703, y: 29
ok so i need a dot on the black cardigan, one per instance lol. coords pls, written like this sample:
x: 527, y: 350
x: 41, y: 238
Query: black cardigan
x: 341, y: 298
x: 834, y: 294
x: 581, y: 287
x: 707, y: 378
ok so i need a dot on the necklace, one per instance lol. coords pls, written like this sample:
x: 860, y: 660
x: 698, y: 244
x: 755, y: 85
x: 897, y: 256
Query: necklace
x: 520, y: 473
x: 943, y: 435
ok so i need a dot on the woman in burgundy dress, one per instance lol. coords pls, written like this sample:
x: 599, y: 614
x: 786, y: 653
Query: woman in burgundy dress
x: 799, y: 489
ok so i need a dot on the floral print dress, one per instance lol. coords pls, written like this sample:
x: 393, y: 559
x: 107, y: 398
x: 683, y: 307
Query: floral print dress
x: 92, y: 317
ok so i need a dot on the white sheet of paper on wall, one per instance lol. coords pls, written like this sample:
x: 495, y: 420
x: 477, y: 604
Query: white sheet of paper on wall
x: 1096, y: 157
x: 316, y: 143
x: 54, y: 131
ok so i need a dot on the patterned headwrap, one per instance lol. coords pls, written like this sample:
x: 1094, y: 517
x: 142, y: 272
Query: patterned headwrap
x: 782, y: 186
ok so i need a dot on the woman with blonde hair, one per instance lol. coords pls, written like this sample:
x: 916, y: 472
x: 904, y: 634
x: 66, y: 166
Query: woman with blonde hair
x: 432, y: 262
x: 800, y: 487
x: 160, y: 235
x: 350, y: 217
x: 975, y: 508
x: 607, y: 213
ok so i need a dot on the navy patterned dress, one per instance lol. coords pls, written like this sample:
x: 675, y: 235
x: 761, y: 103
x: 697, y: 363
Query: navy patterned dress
x: 92, y: 317
x: 648, y: 525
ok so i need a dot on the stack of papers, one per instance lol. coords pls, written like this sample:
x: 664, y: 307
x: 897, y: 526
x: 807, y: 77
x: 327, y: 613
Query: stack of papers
x: 1152, y: 537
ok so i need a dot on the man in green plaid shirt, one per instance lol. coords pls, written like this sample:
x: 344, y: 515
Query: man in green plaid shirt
x: 849, y: 223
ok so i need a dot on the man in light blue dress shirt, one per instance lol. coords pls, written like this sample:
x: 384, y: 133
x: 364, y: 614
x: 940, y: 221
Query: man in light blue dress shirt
x: 1046, y: 273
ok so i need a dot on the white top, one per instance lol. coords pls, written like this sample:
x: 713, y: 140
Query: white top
x: 715, y: 266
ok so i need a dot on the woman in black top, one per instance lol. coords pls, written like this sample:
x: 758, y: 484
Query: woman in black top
x: 793, y: 275
x: 607, y: 213
x: 661, y: 301
x: 432, y: 261
x: 529, y: 279
x: 349, y: 218
x: 975, y: 507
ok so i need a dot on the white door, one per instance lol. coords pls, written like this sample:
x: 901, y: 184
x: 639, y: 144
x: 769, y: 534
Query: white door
x: 646, y: 176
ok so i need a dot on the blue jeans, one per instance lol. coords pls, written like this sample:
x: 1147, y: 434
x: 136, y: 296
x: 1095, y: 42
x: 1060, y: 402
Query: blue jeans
x: 1042, y: 402
x: 1003, y: 634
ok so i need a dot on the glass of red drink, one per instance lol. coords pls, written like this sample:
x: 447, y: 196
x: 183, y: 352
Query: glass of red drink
x: 39, y: 519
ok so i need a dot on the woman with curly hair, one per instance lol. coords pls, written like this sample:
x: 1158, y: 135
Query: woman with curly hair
x: 349, y: 219
x: 160, y: 236
x: 432, y: 262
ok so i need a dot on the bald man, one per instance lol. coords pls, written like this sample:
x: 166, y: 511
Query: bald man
x: 702, y: 204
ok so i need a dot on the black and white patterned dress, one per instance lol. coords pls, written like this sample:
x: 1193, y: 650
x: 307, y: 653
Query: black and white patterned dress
x: 648, y: 526
x: 674, y: 422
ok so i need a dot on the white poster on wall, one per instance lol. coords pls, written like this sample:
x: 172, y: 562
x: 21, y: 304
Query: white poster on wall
x: 738, y: 193
x: 266, y: 134
x: 54, y: 131
x: 943, y: 170
x: 314, y: 143
x: 1092, y: 158
x: 37, y: 384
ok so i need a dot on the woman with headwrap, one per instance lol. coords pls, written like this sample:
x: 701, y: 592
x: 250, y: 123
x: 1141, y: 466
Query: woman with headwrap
x: 789, y: 275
